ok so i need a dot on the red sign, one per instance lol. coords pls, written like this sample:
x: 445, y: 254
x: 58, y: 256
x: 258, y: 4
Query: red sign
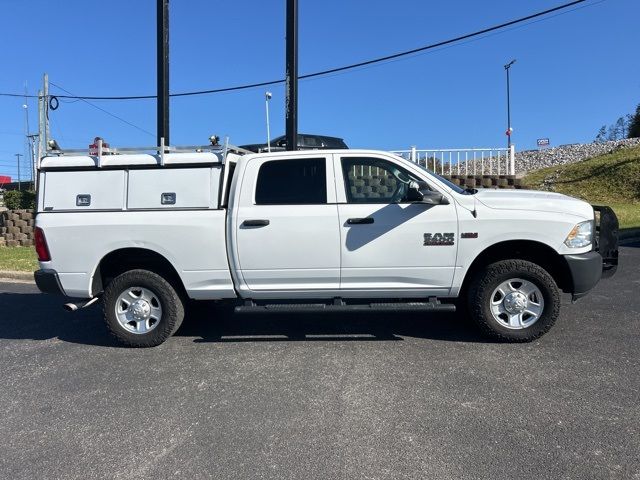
x: 4, y: 179
x: 93, y: 148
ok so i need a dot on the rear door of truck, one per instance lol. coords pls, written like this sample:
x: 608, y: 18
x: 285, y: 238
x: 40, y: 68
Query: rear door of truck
x: 285, y: 224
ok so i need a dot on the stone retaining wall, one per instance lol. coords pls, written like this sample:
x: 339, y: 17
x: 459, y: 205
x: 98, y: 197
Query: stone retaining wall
x: 486, y: 181
x: 16, y: 228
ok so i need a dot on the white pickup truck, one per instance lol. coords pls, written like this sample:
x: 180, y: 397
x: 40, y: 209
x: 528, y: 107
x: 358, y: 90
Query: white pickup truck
x: 325, y: 229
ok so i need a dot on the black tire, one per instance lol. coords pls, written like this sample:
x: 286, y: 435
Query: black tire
x: 490, y: 277
x: 170, y: 302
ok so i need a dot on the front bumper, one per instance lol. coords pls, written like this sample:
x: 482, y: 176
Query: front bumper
x: 606, y: 239
x: 588, y: 268
x: 585, y: 270
x: 48, y: 282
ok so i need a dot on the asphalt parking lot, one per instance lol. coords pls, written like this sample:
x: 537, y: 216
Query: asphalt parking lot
x: 332, y: 396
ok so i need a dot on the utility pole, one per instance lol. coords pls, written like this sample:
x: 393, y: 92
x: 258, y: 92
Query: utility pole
x: 43, y: 125
x: 18, y: 155
x: 162, y: 55
x: 25, y: 106
x: 43, y: 121
x: 33, y: 154
x: 40, y: 150
x: 291, y: 77
x: 45, y: 104
x: 509, y: 129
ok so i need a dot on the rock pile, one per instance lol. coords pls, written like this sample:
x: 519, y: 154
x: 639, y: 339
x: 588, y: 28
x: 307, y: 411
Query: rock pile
x: 550, y: 157
x: 16, y: 228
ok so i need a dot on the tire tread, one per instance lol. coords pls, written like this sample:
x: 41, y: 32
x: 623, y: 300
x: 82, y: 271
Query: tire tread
x: 484, y: 281
x: 172, y: 308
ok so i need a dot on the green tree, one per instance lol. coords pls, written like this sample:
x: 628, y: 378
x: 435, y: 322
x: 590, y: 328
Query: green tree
x: 601, y: 137
x: 620, y: 129
x: 634, y: 125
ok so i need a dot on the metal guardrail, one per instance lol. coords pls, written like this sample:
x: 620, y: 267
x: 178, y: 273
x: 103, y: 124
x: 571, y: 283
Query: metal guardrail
x: 464, y: 161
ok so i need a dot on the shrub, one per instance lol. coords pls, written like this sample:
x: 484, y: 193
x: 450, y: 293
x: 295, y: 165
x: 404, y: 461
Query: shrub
x: 12, y: 199
x: 15, y: 199
x: 28, y: 201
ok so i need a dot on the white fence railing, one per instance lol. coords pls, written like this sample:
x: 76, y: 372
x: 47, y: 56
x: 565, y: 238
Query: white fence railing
x: 464, y: 161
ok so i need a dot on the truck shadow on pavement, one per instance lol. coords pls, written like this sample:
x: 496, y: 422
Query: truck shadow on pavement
x: 31, y: 316
x: 220, y: 324
x: 35, y: 316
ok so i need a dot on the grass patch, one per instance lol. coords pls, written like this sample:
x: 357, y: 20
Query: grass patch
x: 628, y: 214
x: 21, y: 259
x: 612, y: 179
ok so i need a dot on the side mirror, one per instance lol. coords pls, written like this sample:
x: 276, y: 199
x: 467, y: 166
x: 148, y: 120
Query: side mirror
x: 414, y: 195
x: 419, y: 192
x: 435, y: 198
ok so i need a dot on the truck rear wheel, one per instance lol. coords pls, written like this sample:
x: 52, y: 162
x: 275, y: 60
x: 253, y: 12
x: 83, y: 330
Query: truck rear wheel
x: 514, y: 300
x: 142, y: 309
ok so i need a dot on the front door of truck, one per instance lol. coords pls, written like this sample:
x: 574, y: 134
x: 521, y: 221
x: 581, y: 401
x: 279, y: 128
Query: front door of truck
x: 286, y: 224
x: 387, y: 242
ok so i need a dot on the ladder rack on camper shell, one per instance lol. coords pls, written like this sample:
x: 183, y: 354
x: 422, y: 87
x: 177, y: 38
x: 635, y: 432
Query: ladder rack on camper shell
x: 160, y: 151
x: 105, y: 179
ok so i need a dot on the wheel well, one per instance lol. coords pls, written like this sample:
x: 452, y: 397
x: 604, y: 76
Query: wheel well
x: 120, y: 261
x: 535, y: 252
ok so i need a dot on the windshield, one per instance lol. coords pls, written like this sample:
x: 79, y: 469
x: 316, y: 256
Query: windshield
x: 449, y: 184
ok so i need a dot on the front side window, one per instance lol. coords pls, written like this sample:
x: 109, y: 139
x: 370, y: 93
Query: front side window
x: 292, y: 182
x: 372, y: 180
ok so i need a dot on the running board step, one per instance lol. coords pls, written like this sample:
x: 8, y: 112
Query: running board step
x: 323, y: 307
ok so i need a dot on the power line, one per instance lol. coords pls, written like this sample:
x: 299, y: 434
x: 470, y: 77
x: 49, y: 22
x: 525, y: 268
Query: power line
x: 105, y: 111
x: 332, y: 70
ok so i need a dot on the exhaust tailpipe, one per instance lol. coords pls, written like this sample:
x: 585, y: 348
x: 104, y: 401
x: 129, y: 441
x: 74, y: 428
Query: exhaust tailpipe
x: 74, y: 306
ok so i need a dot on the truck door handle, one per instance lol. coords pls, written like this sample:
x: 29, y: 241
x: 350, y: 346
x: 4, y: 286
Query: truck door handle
x: 359, y: 221
x: 255, y: 223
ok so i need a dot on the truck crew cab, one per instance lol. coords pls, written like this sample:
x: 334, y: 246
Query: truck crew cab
x: 306, y: 230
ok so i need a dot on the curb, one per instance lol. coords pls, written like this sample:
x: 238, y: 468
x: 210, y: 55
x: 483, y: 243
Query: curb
x: 21, y: 276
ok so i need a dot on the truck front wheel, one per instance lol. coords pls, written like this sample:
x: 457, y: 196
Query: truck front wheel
x: 142, y: 309
x: 514, y: 300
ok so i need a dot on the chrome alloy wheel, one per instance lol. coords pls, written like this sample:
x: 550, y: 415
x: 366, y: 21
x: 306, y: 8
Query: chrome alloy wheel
x: 517, y: 304
x: 138, y: 310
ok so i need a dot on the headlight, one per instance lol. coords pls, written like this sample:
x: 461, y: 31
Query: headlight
x: 580, y: 235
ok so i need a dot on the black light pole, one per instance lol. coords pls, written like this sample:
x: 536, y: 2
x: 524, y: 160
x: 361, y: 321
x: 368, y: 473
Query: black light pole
x: 163, y: 70
x: 507, y: 67
x: 291, y: 77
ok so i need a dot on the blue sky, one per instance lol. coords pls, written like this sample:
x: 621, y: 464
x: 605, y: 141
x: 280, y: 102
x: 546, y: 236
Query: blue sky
x: 574, y: 72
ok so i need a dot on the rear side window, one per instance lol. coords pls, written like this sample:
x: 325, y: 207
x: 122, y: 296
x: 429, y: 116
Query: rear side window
x: 292, y: 182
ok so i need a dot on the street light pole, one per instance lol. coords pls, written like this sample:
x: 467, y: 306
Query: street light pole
x: 267, y: 97
x: 18, y: 155
x: 509, y: 129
